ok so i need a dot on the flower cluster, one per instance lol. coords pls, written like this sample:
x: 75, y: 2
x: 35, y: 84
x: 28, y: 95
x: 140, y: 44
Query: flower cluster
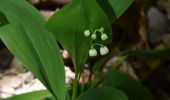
x: 93, y: 35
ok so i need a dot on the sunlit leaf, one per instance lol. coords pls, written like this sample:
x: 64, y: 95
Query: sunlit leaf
x: 69, y: 24
x: 36, y: 95
x: 33, y: 45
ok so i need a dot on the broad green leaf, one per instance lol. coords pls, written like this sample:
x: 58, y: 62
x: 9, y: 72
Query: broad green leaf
x: 27, y: 38
x: 49, y: 98
x: 36, y: 95
x: 149, y: 53
x: 131, y: 87
x: 3, y: 20
x: 103, y: 93
x: 69, y: 24
x: 114, y: 8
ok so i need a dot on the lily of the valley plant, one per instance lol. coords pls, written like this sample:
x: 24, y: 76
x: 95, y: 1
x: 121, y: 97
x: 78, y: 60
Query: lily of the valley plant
x: 83, y: 28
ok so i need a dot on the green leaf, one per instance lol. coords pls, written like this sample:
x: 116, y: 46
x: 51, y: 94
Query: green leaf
x: 103, y: 93
x: 131, y: 87
x: 114, y: 8
x: 36, y: 95
x: 149, y: 53
x: 27, y: 38
x: 3, y: 19
x: 69, y: 23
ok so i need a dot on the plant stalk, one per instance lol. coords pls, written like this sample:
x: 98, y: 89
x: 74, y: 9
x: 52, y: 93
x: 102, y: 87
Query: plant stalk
x: 75, y: 87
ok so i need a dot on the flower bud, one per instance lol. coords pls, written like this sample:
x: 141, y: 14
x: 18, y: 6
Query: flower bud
x: 93, y: 36
x: 104, y: 37
x: 101, y: 29
x: 87, y: 33
x: 104, y: 50
x: 92, y: 52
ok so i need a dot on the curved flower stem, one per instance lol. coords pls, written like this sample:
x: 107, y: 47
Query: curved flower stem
x: 95, y: 44
x: 97, y: 30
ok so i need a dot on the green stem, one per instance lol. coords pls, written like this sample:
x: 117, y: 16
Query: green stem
x: 75, y: 87
x: 95, y: 44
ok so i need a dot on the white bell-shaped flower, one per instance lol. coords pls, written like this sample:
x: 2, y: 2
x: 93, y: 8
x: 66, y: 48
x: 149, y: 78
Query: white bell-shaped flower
x: 92, y: 52
x: 93, y: 36
x: 87, y: 33
x: 104, y: 36
x: 104, y: 50
x: 101, y: 29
